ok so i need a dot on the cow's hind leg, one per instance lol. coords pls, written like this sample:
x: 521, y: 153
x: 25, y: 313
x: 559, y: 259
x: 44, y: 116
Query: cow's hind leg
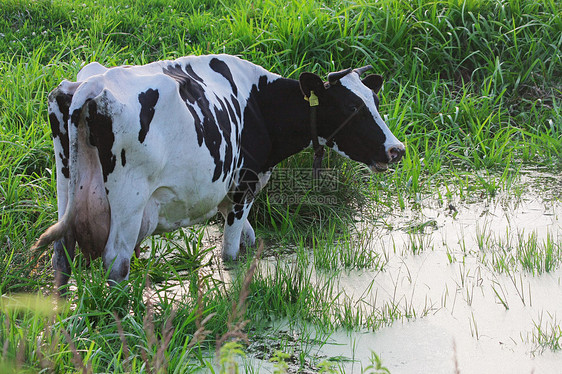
x: 119, y: 251
x: 63, y: 255
x: 125, y: 234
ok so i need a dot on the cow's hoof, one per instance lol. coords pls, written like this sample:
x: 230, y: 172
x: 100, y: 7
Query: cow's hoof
x: 246, y: 251
x: 228, y: 261
x: 240, y: 255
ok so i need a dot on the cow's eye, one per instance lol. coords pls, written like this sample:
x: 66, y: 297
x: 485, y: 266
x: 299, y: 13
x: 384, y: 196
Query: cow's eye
x: 352, y: 107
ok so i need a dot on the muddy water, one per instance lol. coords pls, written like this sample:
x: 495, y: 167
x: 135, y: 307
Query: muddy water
x: 456, y: 307
x: 459, y: 310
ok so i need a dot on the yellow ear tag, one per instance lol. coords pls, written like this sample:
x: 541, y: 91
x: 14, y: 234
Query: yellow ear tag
x: 313, y: 99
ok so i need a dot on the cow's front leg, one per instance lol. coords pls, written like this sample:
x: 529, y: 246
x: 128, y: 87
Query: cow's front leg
x: 63, y: 255
x: 237, y: 230
x: 235, y: 208
x: 248, y: 238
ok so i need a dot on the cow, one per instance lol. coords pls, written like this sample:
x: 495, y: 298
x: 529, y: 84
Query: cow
x: 148, y: 149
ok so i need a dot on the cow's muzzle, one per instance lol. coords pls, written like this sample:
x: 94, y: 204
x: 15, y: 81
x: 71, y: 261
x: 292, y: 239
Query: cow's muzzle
x: 379, y: 167
x: 393, y: 154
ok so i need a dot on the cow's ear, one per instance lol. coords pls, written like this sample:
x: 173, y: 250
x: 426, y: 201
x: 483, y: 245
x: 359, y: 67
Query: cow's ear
x: 374, y: 82
x: 311, y: 82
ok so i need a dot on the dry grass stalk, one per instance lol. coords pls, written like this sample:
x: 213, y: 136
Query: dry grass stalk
x: 201, y: 333
x: 6, y: 342
x: 122, y: 337
x: 54, y: 346
x: 20, y: 354
x: 148, y: 326
x: 455, y: 358
x: 76, y: 358
x: 159, y: 363
x: 43, y: 361
x: 235, y: 323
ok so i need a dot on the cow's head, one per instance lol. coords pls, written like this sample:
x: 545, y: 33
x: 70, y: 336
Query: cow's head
x: 347, y: 99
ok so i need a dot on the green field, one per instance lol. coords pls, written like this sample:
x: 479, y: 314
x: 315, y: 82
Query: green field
x: 474, y: 90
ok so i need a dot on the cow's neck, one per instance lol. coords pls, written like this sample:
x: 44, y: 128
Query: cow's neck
x: 286, y: 116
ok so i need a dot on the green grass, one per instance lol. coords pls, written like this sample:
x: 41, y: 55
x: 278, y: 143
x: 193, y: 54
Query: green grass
x: 522, y: 252
x: 546, y: 335
x: 473, y: 88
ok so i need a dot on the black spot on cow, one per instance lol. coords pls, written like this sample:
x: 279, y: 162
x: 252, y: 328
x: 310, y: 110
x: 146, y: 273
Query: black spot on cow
x: 230, y: 218
x: 192, y: 91
x: 65, y: 169
x: 198, y: 124
x: 255, y: 130
x: 213, y: 140
x: 55, y: 125
x: 123, y: 159
x: 225, y: 124
x: 63, y: 138
x: 233, y: 119
x: 236, y: 106
x: 75, y: 117
x: 222, y: 68
x: 63, y: 101
x: 101, y: 136
x: 243, y: 193
x: 237, y: 213
x: 192, y: 74
x: 147, y: 100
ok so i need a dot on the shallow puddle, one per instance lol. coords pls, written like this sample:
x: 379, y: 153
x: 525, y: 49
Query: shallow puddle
x: 464, y: 294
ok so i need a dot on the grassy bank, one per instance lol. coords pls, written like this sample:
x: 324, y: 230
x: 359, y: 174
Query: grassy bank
x: 473, y: 88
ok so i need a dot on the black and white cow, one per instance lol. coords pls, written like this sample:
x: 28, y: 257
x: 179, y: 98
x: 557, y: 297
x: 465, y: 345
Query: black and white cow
x: 148, y: 149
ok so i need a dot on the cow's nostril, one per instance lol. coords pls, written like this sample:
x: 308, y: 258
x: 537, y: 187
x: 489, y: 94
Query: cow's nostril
x: 395, y: 153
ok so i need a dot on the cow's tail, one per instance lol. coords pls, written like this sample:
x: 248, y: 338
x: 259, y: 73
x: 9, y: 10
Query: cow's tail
x: 55, y: 232
x: 76, y: 129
